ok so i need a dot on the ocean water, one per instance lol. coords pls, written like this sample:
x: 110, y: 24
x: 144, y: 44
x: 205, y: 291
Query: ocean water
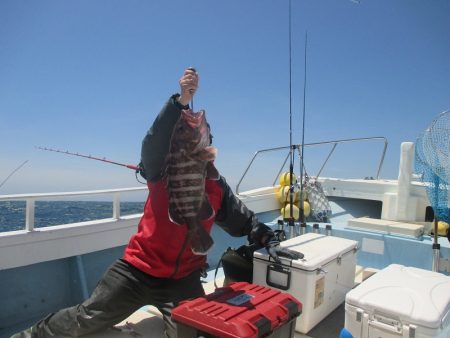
x: 48, y: 213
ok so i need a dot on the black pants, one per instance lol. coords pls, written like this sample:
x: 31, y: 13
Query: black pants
x: 122, y: 290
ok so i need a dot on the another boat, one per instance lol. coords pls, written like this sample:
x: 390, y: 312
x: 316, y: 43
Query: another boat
x: 45, y: 269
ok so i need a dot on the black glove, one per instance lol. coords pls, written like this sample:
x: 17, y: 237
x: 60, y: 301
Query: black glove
x: 263, y: 236
x: 275, y: 251
x: 246, y: 251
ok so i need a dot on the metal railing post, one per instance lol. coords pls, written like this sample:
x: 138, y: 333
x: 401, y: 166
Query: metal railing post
x: 29, y: 215
x: 116, y: 205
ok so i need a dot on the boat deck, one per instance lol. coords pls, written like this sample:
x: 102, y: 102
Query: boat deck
x: 147, y: 321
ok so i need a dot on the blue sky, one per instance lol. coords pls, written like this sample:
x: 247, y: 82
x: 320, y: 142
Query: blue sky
x: 89, y: 76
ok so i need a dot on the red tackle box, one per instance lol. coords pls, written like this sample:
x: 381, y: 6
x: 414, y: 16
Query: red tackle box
x: 238, y: 310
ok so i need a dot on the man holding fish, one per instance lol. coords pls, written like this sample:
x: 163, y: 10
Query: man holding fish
x: 164, y: 260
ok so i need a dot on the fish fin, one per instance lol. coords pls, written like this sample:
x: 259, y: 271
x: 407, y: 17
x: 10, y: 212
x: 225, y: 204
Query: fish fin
x: 199, y: 240
x: 211, y: 172
x: 173, y: 217
x: 206, y: 211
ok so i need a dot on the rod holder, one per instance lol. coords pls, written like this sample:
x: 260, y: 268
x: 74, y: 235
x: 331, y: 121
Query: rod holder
x: 436, y: 256
x: 292, y: 233
x: 280, y: 224
x: 316, y: 228
x: 302, y: 228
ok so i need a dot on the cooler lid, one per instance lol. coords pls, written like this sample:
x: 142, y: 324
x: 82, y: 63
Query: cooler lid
x: 410, y: 294
x: 317, y: 249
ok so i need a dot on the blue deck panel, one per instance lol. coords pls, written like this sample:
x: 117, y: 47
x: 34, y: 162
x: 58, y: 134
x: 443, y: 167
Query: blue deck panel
x: 31, y: 292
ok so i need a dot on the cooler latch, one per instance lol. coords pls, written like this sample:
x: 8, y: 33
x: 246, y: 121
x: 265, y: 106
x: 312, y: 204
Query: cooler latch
x: 359, y: 314
x: 321, y: 270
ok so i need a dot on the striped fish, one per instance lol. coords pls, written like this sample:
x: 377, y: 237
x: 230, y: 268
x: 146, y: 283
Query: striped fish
x: 188, y: 164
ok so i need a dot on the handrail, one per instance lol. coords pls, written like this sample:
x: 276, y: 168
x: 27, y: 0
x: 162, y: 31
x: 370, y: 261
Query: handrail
x: 298, y: 146
x: 31, y: 198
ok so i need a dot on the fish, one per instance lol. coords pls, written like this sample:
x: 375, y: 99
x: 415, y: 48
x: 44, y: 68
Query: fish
x: 188, y: 164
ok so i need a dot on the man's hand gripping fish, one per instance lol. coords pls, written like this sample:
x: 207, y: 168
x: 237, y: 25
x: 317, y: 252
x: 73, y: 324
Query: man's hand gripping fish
x: 188, y: 164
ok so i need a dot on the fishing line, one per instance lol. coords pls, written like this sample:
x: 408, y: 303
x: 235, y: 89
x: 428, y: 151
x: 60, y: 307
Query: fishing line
x: 12, y: 173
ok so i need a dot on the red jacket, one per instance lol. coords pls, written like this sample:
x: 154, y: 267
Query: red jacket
x: 160, y: 247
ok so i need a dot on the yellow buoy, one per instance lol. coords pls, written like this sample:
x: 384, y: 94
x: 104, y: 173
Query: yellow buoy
x: 305, y: 195
x: 306, y: 208
x: 443, y: 228
x: 283, y: 195
x: 285, y: 179
x: 286, y: 210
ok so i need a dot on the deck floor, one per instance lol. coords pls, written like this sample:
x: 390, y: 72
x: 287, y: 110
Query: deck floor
x: 148, y: 322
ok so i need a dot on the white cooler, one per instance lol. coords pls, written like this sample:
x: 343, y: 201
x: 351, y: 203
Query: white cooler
x: 400, y: 301
x: 319, y: 281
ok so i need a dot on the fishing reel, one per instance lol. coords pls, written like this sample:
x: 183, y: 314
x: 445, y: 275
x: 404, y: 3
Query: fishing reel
x: 140, y: 170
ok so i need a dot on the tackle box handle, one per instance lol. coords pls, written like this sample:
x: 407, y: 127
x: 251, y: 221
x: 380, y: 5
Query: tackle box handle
x: 278, y: 268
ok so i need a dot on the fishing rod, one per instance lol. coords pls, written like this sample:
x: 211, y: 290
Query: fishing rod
x: 302, y: 157
x: 136, y: 168
x: 291, y: 152
x: 12, y: 173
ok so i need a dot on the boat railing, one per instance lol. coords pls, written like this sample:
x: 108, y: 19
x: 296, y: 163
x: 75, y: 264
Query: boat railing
x: 30, y: 200
x: 298, y: 147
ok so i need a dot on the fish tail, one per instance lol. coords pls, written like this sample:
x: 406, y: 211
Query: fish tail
x: 199, y: 239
